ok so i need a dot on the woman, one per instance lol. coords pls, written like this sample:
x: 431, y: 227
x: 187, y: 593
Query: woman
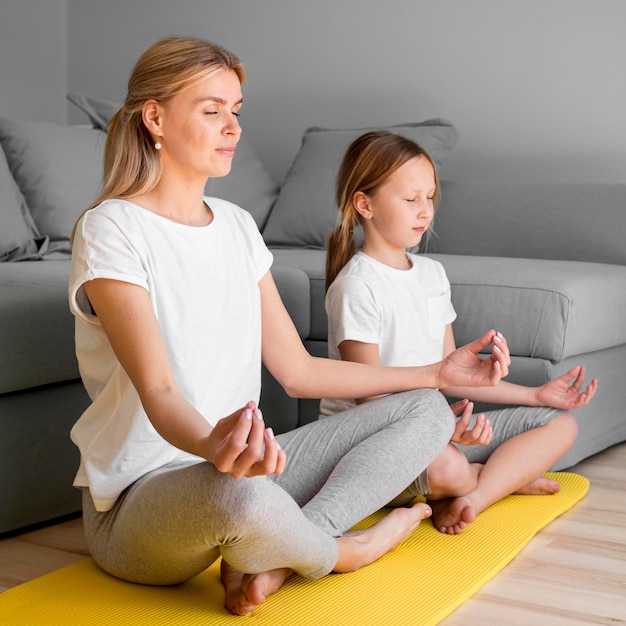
x: 175, y: 309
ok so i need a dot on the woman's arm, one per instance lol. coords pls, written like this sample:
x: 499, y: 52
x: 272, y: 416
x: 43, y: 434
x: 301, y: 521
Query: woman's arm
x: 236, y: 443
x: 305, y: 376
x: 359, y: 352
x: 563, y: 392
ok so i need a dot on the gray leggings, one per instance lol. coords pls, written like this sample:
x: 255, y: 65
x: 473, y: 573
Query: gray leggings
x: 172, y: 523
x: 508, y: 423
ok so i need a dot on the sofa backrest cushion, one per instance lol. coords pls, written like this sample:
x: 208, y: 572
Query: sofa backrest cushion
x: 248, y: 184
x: 17, y: 231
x: 58, y: 169
x: 305, y: 211
x: 534, y: 220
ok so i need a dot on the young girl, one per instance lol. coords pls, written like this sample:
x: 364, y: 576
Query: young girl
x: 387, y: 306
x: 175, y: 308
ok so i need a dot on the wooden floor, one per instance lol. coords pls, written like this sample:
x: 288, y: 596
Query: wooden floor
x: 572, y: 572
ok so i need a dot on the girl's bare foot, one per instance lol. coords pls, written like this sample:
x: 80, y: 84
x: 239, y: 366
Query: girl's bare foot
x: 362, y: 547
x: 451, y: 516
x: 244, y: 592
x: 540, y: 487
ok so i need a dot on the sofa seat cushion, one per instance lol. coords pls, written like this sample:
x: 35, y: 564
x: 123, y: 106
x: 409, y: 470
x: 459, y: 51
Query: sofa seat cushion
x: 36, y: 326
x: 546, y: 308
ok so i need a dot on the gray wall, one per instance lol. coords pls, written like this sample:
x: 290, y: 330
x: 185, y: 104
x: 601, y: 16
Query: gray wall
x: 534, y: 87
x: 33, y: 60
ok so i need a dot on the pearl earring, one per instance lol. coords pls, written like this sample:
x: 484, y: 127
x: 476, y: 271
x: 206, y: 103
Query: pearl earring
x: 157, y: 145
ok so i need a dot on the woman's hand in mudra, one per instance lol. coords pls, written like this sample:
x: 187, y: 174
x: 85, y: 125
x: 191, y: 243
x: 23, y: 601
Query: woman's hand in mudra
x: 465, y: 368
x: 241, y: 445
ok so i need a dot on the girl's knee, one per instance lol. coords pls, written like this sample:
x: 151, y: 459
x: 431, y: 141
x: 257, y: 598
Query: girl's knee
x: 568, y: 426
x: 450, y: 474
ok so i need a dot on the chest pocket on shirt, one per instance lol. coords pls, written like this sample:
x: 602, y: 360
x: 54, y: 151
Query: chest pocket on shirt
x: 437, y: 313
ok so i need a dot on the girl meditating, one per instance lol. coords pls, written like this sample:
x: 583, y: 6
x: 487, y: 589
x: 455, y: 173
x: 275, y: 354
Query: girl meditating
x: 176, y: 309
x: 387, y: 306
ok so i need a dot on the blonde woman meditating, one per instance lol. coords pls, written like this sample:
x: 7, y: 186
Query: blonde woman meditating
x: 176, y: 309
x: 387, y: 306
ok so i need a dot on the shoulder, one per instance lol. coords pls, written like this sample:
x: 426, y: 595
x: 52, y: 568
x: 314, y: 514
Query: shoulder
x: 230, y: 211
x: 353, y: 282
x: 107, y: 218
x: 427, y: 265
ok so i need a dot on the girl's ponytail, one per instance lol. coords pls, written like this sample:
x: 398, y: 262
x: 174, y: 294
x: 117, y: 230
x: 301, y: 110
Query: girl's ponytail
x: 341, y: 247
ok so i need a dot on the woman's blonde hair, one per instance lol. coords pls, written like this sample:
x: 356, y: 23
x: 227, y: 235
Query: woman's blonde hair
x: 368, y: 162
x: 131, y: 162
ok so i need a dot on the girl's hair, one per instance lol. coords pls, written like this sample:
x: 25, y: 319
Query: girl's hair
x: 131, y: 162
x: 368, y: 162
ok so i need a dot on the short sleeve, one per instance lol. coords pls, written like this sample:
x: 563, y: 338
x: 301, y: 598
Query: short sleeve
x: 353, y: 314
x: 100, y: 250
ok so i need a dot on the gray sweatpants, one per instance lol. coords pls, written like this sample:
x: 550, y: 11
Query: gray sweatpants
x: 174, y: 522
x: 508, y: 423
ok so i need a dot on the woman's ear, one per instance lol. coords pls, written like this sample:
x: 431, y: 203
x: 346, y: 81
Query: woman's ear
x: 362, y: 205
x: 151, y: 115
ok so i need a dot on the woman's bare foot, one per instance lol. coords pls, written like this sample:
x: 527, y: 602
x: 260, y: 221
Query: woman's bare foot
x: 540, y: 487
x: 362, y: 547
x: 244, y: 592
x: 452, y: 515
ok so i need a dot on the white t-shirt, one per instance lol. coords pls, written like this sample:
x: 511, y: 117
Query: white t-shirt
x: 404, y: 312
x: 203, y: 285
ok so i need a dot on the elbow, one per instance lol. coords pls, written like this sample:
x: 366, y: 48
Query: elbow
x: 291, y: 387
x: 292, y: 383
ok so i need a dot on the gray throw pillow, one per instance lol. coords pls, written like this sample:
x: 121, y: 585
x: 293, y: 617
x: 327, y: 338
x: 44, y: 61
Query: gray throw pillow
x: 248, y: 184
x: 58, y: 170
x: 17, y: 233
x: 305, y: 211
x: 98, y: 111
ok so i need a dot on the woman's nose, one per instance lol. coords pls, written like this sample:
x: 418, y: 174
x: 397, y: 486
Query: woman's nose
x: 233, y: 127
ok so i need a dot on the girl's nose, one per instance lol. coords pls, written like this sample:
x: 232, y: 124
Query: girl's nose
x: 426, y: 209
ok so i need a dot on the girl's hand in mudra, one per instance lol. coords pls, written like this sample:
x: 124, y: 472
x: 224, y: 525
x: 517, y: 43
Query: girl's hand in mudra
x: 479, y: 435
x: 241, y: 445
x: 465, y: 368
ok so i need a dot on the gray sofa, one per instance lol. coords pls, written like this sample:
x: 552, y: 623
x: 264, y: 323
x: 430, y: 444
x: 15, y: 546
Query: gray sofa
x: 543, y: 263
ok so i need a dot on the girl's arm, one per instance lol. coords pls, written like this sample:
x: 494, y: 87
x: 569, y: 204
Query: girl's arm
x: 305, y: 376
x: 236, y: 443
x: 563, y: 392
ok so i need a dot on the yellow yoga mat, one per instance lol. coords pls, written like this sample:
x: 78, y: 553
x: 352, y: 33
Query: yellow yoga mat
x: 419, y: 583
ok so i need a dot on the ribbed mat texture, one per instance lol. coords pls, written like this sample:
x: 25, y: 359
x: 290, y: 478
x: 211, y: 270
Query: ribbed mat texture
x: 417, y: 584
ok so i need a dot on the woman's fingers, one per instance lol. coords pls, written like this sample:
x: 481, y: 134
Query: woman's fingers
x: 252, y: 451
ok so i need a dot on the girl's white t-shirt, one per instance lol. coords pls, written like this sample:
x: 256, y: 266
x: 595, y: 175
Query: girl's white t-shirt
x: 203, y: 285
x: 404, y: 312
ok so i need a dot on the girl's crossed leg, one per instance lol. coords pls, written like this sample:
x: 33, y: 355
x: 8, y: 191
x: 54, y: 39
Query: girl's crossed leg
x: 526, y: 443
